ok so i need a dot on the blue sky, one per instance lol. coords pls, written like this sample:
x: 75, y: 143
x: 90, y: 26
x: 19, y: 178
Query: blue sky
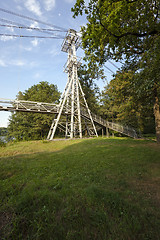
x: 28, y: 61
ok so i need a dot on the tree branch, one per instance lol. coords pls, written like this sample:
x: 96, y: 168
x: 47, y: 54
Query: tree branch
x: 153, y: 32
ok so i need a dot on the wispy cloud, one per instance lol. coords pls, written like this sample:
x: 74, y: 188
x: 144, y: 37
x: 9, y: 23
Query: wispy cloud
x: 37, y: 75
x: 49, y: 4
x: 54, y: 52
x: 33, y: 6
x: 28, y: 49
x: 2, y: 63
x: 18, y: 63
x: 35, y: 42
x: 6, y: 38
x: 10, y: 29
x: 34, y: 25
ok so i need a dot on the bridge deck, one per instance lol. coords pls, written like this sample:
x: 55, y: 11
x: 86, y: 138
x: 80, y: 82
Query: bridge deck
x: 27, y: 106
x: 51, y: 108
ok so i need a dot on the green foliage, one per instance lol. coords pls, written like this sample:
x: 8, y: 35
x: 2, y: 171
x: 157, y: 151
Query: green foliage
x: 3, y: 131
x: 27, y: 126
x: 83, y: 189
x: 121, y: 102
x: 91, y: 90
x: 2, y: 144
x: 125, y: 30
x: 119, y: 28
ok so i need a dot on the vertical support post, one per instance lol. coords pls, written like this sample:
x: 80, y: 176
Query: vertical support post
x: 107, y: 132
x: 72, y: 108
x: 102, y: 132
x: 88, y: 109
x: 66, y: 133
x: 78, y: 107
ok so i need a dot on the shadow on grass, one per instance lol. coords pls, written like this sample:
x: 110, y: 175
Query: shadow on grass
x: 82, y: 191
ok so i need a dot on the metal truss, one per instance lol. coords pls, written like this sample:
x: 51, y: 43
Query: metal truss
x: 73, y: 101
x: 27, y: 106
x: 49, y: 108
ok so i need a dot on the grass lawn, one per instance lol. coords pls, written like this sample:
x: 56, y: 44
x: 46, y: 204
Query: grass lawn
x: 106, y: 189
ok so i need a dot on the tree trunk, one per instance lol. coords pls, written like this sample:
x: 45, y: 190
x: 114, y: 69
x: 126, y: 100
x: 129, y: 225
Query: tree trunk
x: 157, y: 118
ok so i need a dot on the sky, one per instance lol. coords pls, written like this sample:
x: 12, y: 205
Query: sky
x: 25, y: 62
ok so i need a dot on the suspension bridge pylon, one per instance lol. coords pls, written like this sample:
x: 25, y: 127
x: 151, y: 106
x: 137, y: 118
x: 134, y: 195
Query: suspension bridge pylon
x: 74, y: 116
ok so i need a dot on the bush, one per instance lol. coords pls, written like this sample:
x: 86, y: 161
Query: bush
x: 2, y: 144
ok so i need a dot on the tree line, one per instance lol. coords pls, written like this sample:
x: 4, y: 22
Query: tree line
x: 117, y: 103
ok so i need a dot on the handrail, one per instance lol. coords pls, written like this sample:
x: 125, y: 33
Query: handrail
x: 41, y: 107
x: 131, y: 132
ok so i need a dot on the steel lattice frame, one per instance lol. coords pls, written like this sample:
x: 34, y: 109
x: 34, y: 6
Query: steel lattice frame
x: 73, y: 104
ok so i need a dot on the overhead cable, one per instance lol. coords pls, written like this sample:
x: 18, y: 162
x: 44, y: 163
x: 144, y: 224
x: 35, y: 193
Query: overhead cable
x: 113, y: 64
x: 32, y: 19
x: 109, y: 69
x: 43, y: 30
x: 26, y: 36
x: 24, y: 26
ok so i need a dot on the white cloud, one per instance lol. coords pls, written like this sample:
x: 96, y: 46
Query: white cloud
x: 19, y: 8
x: 33, y: 6
x: 10, y: 29
x: 28, y: 49
x: 55, y: 52
x: 34, y: 25
x: 37, y: 75
x: 49, y: 4
x: 19, y: 63
x: 2, y: 63
x: 35, y: 42
x: 6, y: 38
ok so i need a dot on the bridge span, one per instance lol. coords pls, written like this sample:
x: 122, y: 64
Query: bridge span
x: 51, y: 108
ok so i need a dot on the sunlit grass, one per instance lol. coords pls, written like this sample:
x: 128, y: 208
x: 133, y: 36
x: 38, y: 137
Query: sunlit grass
x: 80, y: 189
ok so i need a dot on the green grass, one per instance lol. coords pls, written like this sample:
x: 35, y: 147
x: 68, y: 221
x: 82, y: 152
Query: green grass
x: 93, y: 189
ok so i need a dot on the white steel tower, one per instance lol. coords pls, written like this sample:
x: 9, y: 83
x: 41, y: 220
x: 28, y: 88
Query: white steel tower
x: 74, y: 116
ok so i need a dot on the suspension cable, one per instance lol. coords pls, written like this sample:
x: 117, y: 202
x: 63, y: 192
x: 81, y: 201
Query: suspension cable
x: 32, y: 19
x: 109, y: 69
x: 26, y: 36
x: 113, y: 64
x: 23, y: 27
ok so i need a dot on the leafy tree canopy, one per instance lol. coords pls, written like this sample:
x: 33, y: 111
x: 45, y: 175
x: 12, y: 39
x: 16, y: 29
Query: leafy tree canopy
x: 87, y: 75
x: 120, y: 102
x: 27, y: 126
x: 119, y: 28
x: 128, y: 30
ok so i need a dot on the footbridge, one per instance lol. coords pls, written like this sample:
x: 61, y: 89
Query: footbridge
x: 51, y: 108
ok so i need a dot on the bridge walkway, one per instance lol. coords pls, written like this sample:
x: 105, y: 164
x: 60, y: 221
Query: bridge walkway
x: 51, y: 108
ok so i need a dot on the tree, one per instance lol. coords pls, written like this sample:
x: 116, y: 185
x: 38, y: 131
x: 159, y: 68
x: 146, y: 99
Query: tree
x: 124, y: 29
x: 3, y: 131
x: 125, y: 104
x: 27, y: 126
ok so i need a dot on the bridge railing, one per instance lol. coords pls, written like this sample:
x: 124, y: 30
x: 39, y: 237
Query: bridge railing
x: 21, y: 105
x: 41, y: 107
x: 114, y: 126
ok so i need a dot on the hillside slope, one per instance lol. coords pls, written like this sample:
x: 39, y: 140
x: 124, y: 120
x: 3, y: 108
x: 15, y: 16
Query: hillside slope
x: 80, y: 189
